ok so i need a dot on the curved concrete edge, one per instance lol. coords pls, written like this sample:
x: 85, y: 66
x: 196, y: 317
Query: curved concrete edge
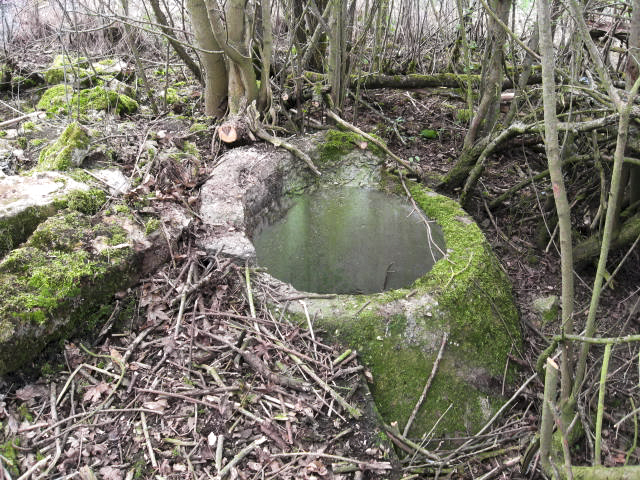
x: 397, y: 333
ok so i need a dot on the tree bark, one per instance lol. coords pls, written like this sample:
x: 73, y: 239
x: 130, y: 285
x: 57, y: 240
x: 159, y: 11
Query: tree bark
x: 563, y: 209
x: 215, y: 70
x: 633, y: 70
x: 492, y: 72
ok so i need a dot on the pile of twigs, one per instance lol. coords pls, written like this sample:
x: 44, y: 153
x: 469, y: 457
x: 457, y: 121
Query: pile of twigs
x: 209, y: 386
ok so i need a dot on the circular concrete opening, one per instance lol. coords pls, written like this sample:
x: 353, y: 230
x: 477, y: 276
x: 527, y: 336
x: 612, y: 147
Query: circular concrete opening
x: 348, y: 240
x: 397, y: 333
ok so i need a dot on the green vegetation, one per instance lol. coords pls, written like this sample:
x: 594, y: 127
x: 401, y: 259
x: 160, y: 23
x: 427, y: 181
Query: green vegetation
x: 88, y: 202
x: 338, y: 143
x: 61, y: 100
x: 67, y: 150
x: 41, y: 282
x: 64, y: 66
x: 56, y: 100
x: 10, y: 455
x: 15, y: 230
x: 151, y: 226
x: 172, y: 96
x: 463, y: 115
x: 28, y: 126
x: 20, y: 82
x: 198, y: 127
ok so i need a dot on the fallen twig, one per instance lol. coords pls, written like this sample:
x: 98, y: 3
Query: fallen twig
x: 436, y: 362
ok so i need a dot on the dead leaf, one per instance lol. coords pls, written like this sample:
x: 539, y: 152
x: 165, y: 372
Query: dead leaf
x: 111, y: 473
x: 30, y: 392
x: 158, y: 406
x: 94, y: 394
x: 87, y: 474
x: 117, y: 357
x: 316, y: 466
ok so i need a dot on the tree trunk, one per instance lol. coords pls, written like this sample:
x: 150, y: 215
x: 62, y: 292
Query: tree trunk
x: 337, y: 52
x: 563, y: 209
x: 633, y: 70
x: 215, y: 70
x: 492, y: 73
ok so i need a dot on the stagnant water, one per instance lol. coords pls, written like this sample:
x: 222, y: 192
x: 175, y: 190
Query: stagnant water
x: 349, y: 240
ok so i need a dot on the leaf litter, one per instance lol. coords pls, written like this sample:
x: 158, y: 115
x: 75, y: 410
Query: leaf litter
x: 195, y: 386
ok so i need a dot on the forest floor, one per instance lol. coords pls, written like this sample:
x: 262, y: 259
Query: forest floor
x: 169, y: 392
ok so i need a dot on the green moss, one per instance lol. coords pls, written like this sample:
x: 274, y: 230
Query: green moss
x: 88, y: 202
x: 486, y: 321
x: 63, y: 233
x: 198, y: 127
x: 191, y: 148
x: 151, y: 226
x: 56, y: 100
x: 36, y: 142
x: 24, y: 412
x: 172, y: 96
x: 338, y: 143
x: 63, y: 66
x: 60, y: 100
x: 57, y: 283
x: 3, y: 133
x: 98, y: 98
x: 28, y: 126
x: 21, y: 82
x: 121, y: 208
x: 16, y: 229
x: 63, y: 153
x: 22, y: 142
x: 10, y: 456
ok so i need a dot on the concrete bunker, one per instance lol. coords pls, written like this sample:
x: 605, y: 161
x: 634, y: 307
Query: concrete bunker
x: 464, y: 299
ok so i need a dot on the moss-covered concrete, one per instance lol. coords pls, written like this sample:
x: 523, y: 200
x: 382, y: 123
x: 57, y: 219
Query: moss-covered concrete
x: 396, y: 333
x: 63, y: 99
x: 339, y: 142
x: 68, y: 150
x: 65, y: 68
x: 57, y: 282
x: 16, y: 229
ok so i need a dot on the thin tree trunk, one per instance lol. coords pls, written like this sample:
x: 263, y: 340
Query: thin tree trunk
x: 179, y: 49
x: 563, y: 210
x: 633, y: 71
x: 492, y: 73
x: 264, y: 95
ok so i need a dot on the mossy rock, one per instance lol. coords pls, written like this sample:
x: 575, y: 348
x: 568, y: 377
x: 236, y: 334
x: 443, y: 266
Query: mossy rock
x: 62, y: 100
x: 26, y: 201
x: 67, y: 69
x: 339, y: 142
x: 61, y: 281
x: 69, y: 150
x: 56, y: 284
